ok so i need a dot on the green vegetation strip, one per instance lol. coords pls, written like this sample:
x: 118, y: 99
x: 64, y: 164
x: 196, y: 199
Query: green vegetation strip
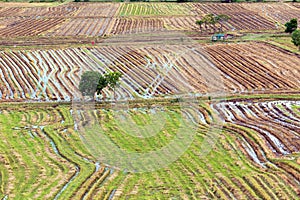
x: 31, y: 162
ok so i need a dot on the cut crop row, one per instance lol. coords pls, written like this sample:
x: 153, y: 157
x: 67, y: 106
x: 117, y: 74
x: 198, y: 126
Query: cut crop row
x: 197, y: 175
x: 58, y: 11
x: 97, y: 9
x: 189, y: 23
x: 274, y: 121
x: 31, y: 161
x: 150, y: 71
x: 240, y: 18
x: 90, y: 27
x: 296, y: 5
x: 46, y: 75
x: 146, y: 9
x: 10, y: 12
x: 201, y: 8
x: 29, y: 27
x: 136, y: 25
x: 48, y: 160
x: 281, y: 13
x: 255, y: 67
x: 46, y: 153
x: 160, y: 70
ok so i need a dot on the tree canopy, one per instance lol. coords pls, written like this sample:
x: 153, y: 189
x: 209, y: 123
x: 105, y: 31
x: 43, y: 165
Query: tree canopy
x: 296, y: 38
x: 113, y: 79
x: 102, y: 83
x: 200, y: 22
x: 291, y: 26
x: 211, y: 19
x: 89, y: 83
x: 93, y: 82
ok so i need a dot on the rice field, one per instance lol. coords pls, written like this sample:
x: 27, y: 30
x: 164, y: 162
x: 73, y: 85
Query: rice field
x: 249, y: 160
x: 190, y: 119
x: 105, y: 19
x: 146, y: 9
x: 151, y: 71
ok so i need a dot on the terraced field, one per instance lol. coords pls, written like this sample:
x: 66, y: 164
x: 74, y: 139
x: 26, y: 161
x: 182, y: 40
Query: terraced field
x: 10, y: 12
x: 144, y: 9
x: 38, y: 11
x: 256, y: 67
x: 59, y: 11
x: 240, y: 18
x: 254, y: 156
x: 42, y: 156
x: 275, y: 121
x: 281, y: 13
x: 181, y: 23
x: 97, y: 10
x: 136, y: 25
x: 86, y: 27
x: 55, y: 74
x: 29, y: 27
x: 229, y: 112
x: 103, y: 19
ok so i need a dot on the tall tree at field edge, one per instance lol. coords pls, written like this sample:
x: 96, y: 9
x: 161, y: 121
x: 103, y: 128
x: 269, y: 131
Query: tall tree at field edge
x: 296, y: 38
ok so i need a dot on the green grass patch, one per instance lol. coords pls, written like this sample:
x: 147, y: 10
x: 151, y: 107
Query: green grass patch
x: 283, y: 41
x: 150, y: 9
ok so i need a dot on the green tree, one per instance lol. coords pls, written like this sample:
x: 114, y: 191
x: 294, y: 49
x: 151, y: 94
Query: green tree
x: 102, y: 83
x: 291, y: 26
x: 209, y: 19
x: 204, y: 21
x: 213, y: 20
x: 296, y: 38
x: 93, y: 82
x: 113, y: 80
x: 199, y: 22
x: 88, y: 83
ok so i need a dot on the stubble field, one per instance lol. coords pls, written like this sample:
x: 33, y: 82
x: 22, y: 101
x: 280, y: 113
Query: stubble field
x: 246, y: 140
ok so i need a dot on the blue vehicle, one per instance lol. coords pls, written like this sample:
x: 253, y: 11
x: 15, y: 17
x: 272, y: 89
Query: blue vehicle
x: 221, y: 37
x: 218, y: 37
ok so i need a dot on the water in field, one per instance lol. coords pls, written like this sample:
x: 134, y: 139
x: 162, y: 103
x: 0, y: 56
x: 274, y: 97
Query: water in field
x: 42, y: 148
